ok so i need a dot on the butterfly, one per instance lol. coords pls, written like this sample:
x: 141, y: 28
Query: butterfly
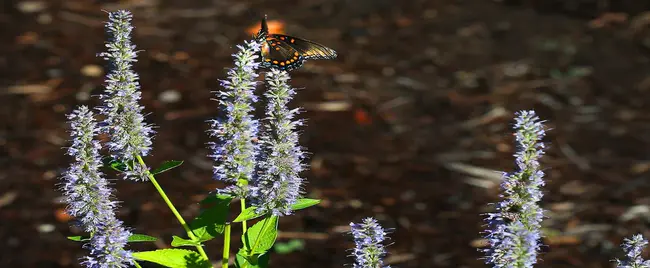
x: 287, y: 52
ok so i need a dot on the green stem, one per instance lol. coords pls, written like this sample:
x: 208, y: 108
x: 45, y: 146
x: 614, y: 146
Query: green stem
x: 243, y: 207
x: 226, y: 247
x: 136, y: 264
x: 243, y: 224
x: 173, y: 209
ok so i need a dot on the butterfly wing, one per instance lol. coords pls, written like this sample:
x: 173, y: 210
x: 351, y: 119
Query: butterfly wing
x: 306, y: 48
x: 279, y: 54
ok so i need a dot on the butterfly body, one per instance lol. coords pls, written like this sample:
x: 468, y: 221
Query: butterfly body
x: 288, y: 52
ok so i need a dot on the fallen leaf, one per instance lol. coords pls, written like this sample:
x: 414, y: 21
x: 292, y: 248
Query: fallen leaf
x: 29, y: 89
x: 329, y: 106
x: 27, y: 38
x: 362, y: 117
x: 8, y: 198
x: 92, y: 70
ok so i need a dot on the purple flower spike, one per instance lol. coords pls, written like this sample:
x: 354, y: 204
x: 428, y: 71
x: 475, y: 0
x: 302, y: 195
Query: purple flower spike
x: 130, y: 135
x: 235, y: 151
x: 368, y: 237
x: 514, y: 231
x: 89, y: 197
x: 633, y: 248
x: 107, y: 247
x: 86, y: 190
x: 277, y: 184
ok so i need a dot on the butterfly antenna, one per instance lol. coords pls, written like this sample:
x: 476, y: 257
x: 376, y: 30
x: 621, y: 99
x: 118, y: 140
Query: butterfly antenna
x: 265, y: 28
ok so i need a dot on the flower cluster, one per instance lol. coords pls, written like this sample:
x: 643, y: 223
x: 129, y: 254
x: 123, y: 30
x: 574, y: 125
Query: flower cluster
x: 107, y: 247
x: 633, y: 248
x: 368, y: 237
x: 277, y: 184
x: 124, y: 121
x: 89, y: 197
x: 86, y: 191
x: 235, y: 150
x: 514, y: 232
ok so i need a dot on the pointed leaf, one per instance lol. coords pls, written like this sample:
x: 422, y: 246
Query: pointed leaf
x: 173, y: 257
x: 248, y: 214
x: 260, y: 237
x: 141, y: 238
x: 167, y: 165
x: 304, y: 203
x: 212, y: 221
x: 256, y: 261
x: 78, y: 238
x: 181, y: 242
x: 118, y: 165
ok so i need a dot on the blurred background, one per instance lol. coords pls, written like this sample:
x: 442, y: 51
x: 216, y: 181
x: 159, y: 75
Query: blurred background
x: 409, y: 124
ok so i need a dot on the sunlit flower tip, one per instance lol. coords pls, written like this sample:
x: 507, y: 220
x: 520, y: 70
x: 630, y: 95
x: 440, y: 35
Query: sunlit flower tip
x: 85, y: 189
x: 530, y: 131
x: 277, y: 184
x: 107, y: 247
x: 514, y: 229
x: 234, y: 150
x: 368, y: 238
x: 130, y: 135
x: 633, y: 248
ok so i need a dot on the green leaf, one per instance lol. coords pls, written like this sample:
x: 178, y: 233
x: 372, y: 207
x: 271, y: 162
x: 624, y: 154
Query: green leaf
x: 290, y: 246
x: 173, y: 257
x: 78, y: 238
x: 181, y: 242
x: 260, y: 237
x: 256, y: 261
x: 211, y: 222
x: 141, y: 238
x: 304, y: 203
x: 248, y: 214
x: 167, y: 165
x: 119, y: 165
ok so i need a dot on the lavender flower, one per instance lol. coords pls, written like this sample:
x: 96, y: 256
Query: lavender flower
x: 86, y: 191
x: 368, y: 237
x: 633, y: 249
x: 107, y: 247
x: 277, y: 185
x: 130, y: 135
x: 514, y: 232
x: 235, y: 150
x: 89, y: 197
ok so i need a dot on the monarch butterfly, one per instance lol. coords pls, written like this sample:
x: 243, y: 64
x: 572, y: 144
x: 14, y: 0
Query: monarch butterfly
x: 287, y: 52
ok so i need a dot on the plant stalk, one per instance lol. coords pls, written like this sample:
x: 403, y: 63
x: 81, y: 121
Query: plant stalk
x: 243, y: 207
x: 169, y: 203
x: 226, y: 247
